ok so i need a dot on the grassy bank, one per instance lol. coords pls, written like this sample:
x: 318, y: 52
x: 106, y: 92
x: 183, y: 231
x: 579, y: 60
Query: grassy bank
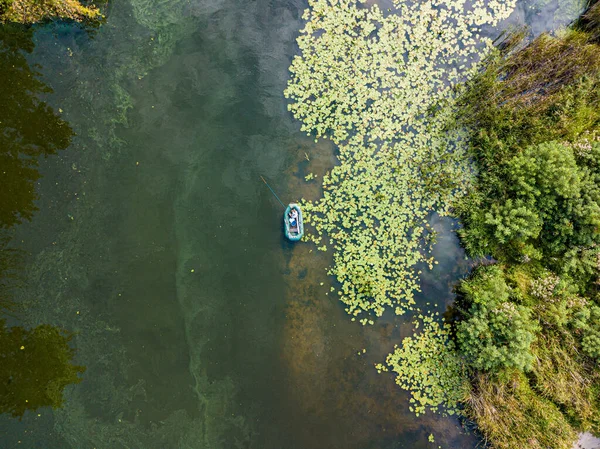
x: 529, y: 325
x: 32, y: 11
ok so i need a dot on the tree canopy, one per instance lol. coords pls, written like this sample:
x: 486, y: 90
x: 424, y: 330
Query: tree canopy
x: 495, y: 333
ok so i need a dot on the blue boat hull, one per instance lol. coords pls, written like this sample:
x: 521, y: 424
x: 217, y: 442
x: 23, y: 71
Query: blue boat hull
x: 293, y: 234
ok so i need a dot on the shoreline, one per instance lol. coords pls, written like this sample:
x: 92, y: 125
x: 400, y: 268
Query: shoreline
x: 587, y: 441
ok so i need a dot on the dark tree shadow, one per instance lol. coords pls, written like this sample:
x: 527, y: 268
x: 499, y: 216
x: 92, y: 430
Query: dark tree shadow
x: 10, y: 262
x: 35, y: 364
x: 29, y: 128
x: 35, y: 367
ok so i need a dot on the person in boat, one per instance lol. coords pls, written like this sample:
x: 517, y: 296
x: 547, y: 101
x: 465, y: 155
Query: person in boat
x: 293, y: 218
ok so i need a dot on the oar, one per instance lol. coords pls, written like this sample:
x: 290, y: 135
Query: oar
x: 273, y: 192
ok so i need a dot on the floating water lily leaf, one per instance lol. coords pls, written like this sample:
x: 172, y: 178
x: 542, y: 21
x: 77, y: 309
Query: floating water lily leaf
x: 382, y: 88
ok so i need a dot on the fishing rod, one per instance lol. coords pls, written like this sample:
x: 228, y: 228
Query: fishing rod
x: 273, y: 192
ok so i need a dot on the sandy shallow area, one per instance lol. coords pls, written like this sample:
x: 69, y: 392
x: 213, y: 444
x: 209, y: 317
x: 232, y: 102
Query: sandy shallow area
x: 587, y: 441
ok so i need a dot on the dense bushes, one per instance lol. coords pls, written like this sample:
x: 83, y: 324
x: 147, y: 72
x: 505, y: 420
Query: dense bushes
x: 522, y: 334
x: 497, y: 333
x: 535, y: 112
x: 4, y: 5
x: 541, y: 203
x: 591, y: 337
x: 529, y: 326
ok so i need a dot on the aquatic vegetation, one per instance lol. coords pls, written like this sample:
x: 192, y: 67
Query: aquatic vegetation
x: 428, y: 366
x: 365, y: 215
x: 381, y: 87
x: 365, y: 76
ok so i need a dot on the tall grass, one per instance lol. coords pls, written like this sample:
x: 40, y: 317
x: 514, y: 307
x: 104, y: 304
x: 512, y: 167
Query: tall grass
x: 511, y: 415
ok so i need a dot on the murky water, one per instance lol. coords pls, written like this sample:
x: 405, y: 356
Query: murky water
x: 159, y: 245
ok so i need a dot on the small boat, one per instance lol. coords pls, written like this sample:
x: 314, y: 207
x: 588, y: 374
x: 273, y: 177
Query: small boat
x: 293, y: 232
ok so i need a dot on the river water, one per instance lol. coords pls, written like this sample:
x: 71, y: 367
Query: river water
x: 157, y: 243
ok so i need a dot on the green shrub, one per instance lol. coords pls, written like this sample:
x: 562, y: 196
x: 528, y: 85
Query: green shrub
x: 591, y: 337
x: 495, y: 332
x: 4, y: 5
x: 534, y: 113
x: 513, y: 220
x: 545, y: 204
x: 33, y: 11
x: 534, y: 126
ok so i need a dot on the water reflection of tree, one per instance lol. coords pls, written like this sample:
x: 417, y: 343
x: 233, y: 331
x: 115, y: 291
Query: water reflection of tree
x: 29, y: 128
x: 9, y: 264
x: 35, y: 364
x: 35, y: 367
